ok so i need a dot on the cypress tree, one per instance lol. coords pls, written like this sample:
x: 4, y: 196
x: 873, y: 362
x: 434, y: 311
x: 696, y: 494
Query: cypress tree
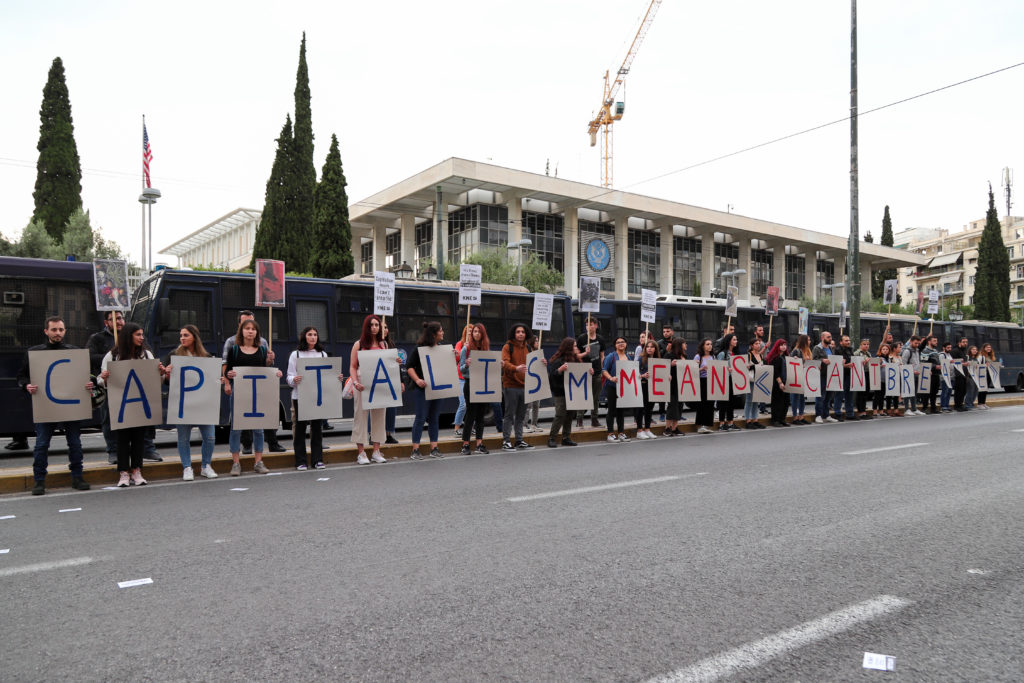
x: 58, y: 190
x: 992, y: 283
x: 879, y: 277
x: 273, y: 240
x: 304, y: 170
x: 332, y: 235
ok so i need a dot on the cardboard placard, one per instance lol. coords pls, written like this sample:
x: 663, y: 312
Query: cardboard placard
x: 740, y: 374
x: 628, y: 390
x: 834, y: 375
x: 794, y: 380
x: 858, y: 375
x: 269, y: 283
x: 718, y: 380
x: 319, y: 392
x: 536, y: 384
x: 256, y: 393
x: 924, y: 380
x: 110, y: 279
x: 891, y: 289
x: 590, y: 294
x: 577, y: 385
x: 908, y: 387
x: 804, y: 320
x: 543, y: 305
x: 61, y: 376
x: 771, y: 301
x: 994, y: 383
x: 945, y: 371
x: 381, y: 377
x: 876, y: 379
x: 470, y: 279
x: 761, y: 387
x: 133, y: 393
x: 484, y: 376
x: 659, y: 380
x: 383, y: 293
x: 687, y: 380
x: 812, y: 379
x: 193, y: 397
x: 648, y: 305
x: 933, y: 302
x: 439, y: 371
x: 891, y: 377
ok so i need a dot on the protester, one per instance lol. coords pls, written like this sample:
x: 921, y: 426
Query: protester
x: 610, y: 370
x: 592, y: 347
x: 558, y: 365
x: 985, y: 356
x: 676, y: 352
x: 888, y: 356
x: 131, y: 345
x: 639, y: 350
x: 844, y: 399
x: 513, y: 376
x: 370, y: 339
x: 972, y: 388
x: 960, y: 380
x: 664, y: 344
x: 718, y: 344
x: 751, y: 409
x: 861, y: 356
x: 190, y: 345
x: 98, y: 345
x: 930, y: 356
x: 797, y: 402
x: 912, y: 356
x: 705, y: 408
x: 780, y: 403
x: 269, y: 434
x: 246, y: 352
x: 726, y: 407
x: 644, y: 414
x: 823, y: 351
x: 427, y: 411
x: 945, y: 392
x: 475, y: 412
x: 54, y: 331
x: 460, y: 413
x: 532, y: 423
x: 309, y: 347
x: 391, y: 414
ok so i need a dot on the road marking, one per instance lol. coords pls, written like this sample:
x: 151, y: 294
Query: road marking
x: 885, y: 448
x: 239, y: 489
x: 133, y: 583
x: 70, y: 510
x: 762, y: 651
x: 980, y: 572
x: 274, y: 474
x: 4, y: 551
x: 324, y: 479
x: 46, y: 566
x: 1017, y: 430
x: 8, y: 517
x: 602, y: 487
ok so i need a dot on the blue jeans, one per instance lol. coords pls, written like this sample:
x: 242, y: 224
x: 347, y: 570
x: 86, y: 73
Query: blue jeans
x: 235, y: 440
x: 390, y: 416
x: 44, y: 432
x: 184, y: 448
x: 839, y: 398
x: 460, y: 414
x: 944, y: 394
x: 972, y: 393
x: 821, y: 404
x: 426, y: 411
x: 750, y: 408
x: 798, y: 402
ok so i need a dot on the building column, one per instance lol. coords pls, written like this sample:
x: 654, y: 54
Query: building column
x: 866, y: 273
x: 621, y: 252
x: 407, y: 228
x: 743, y: 281
x: 571, y: 257
x: 811, y: 273
x: 707, y: 263
x: 668, y: 261
x: 439, y: 249
x: 379, y: 233
x: 779, y: 267
x: 514, y: 203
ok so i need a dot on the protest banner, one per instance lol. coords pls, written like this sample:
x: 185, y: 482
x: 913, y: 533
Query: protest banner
x: 945, y: 370
x: 858, y: 375
x: 908, y: 387
x: 269, y: 284
x: 133, y: 393
x: 485, y: 376
x: 933, y: 302
x: 994, y: 383
x: 834, y: 374
x: 761, y: 387
x: 470, y: 279
x: 771, y: 308
x: 319, y: 391
x: 110, y: 280
x: 578, y: 386
x: 256, y: 393
x: 794, y: 380
x: 972, y: 372
x: 648, y: 306
x: 876, y: 374
x: 439, y: 371
x: 536, y: 384
x: 891, y: 288
x: 543, y: 304
x: 659, y: 380
x: 383, y: 293
x: 740, y: 372
x: 924, y: 380
x: 982, y: 378
x: 812, y: 379
x: 687, y: 380
x: 718, y: 380
x: 804, y: 320
x: 61, y: 376
x: 891, y: 376
x: 732, y: 294
x: 193, y: 397
x: 381, y: 377
x: 627, y: 385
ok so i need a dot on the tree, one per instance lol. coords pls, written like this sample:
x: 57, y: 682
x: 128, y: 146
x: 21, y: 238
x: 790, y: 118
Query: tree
x: 878, y: 278
x: 302, y: 157
x: 498, y: 269
x: 992, y: 283
x: 35, y: 242
x: 868, y: 238
x: 332, y: 235
x: 58, y: 190
x: 273, y: 239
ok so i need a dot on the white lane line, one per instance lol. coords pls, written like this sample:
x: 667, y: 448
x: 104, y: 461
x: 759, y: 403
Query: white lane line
x: 70, y: 510
x: 133, y: 583
x: 4, y: 551
x: 323, y: 479
x: 239, y: 489
x: 45, y: 566
x: 762, y: 651
x: 602, y: 487
x: 7, y: 517
x: 885, y: 448
x: 1017, y: 430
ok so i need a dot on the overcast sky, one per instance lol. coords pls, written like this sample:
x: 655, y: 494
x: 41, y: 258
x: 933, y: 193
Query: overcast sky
x: 405, y: 85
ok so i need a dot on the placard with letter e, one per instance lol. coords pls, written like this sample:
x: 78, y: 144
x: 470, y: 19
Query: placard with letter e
x: 195, y: 389
x: 659, y: 380
x: 61, y: 377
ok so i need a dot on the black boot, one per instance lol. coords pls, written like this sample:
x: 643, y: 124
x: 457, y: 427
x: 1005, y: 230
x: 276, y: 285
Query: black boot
x: 80, y: 484
x: 39, y: 489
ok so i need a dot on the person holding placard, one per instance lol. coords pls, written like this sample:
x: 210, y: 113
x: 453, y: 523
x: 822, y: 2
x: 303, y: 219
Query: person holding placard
x: 780, y: 403
x: 131, y: 345
x: 532, y: 423
x: 615, y: 416
x: 269, y: 435
x: 842, y: 401
x: 309, y: 347
x: 674, y: 411
x: 644, y: 415
x: 945, y: 392
x: 558, y: 364
x: 55, y: 331
x: 98, y: 345
x: 391, y: 414
x: 823, y: 351
x: 797, y: 401
x: 475, y: 412
x: 911, y: 356
x: 985, y: 356
x: 460, y: 413
x: 374, y: 431
x: 930, y: 356
x: 428, y: 411
x: 726, y: 407
x: 860, y: 400
x: 972, y: 388
x: 664, y: 344
x: 592, y: 347
x: 890, y: 403
x: 705, y: 408
x: 960, y: 381
x: 755, y: 357
x: 247, y: 352
x: 192, y: 346
x: 513, y: 384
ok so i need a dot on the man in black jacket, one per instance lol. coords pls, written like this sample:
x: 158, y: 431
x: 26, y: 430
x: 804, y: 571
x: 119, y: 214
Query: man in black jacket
x: 55, y: 331
x: 960, y: 378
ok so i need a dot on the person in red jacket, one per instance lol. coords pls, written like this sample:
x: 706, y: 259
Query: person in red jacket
x: 513, y: 378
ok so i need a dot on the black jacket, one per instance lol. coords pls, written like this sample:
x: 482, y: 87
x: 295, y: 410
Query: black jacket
x: 23, y: 376
x: 99, y: 344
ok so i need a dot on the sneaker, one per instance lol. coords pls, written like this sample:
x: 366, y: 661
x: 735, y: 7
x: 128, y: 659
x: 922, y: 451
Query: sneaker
x: 481, y: 449
x: 724, y: 428
x: 623, y: 437
x: 246, y: 450
x: 391, y: 439
x: 137, y: 479
x: 152, y: 457
x: 320, y: 466
x: 703, y: 430
x: 40, y: 488
x: 552, y: 443
x: 275, y: 448
x: 260, y: 468
x: 122, y: 481
x: 79, y: 484
x: 363, y: 460
x: 909, y: 413
x: 187, y: 474
x: 612, y: 438
x: 922, y: 414
x: 300, y: 468
x: 831, y: 419
x: 818, y: 420
x: 523, y: 446
x: 569, y: 442
x: 415, y: 455
x: 208, y: 472
x: 642, y: 434
x: 377, y: 457
x: 434, y: 453
x: 668, y: 433
x: 466, y: 449
x: 236, y: 469
x: 507, y: 446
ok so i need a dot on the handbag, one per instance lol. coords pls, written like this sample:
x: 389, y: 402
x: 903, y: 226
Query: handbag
x: 349, y: 389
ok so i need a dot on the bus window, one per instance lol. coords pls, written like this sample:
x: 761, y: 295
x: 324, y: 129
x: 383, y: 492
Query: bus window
x: 491, y: 315
x: 519, y: 309
x: 627, y: 324
x: 187, y: 307
x: 312, y: 314
x: 558, y: 329
x: 22, y: 325
x: 353, y: 304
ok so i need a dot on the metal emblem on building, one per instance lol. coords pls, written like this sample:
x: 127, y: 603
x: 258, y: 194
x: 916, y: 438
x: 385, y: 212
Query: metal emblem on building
x: 598, y: 254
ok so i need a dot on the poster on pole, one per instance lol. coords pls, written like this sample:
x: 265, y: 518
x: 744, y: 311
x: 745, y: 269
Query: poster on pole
x: 195, y: 389
x: 590, y: 294
x: 804, y: 320
x: 891, y: 288
x: 543, y: 304
x: 380, y: 375
x: 648, y: 305
x: 383, y: 293
x: 933, y: 302
x: 578, y: 385
x: 111, y: 284
x: 269, y: 283
x: 628, y: 389
x: 920, y: 302
x: 536, y: 386
x: 470, y: 279
x: 771, y: 301
x: 61, y: 376
x: 732, y: 295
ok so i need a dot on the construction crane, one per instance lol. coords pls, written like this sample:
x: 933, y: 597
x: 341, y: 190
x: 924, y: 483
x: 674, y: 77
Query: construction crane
x: 610, y: 110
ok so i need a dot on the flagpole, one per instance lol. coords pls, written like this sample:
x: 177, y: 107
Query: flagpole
x: 145, y: 268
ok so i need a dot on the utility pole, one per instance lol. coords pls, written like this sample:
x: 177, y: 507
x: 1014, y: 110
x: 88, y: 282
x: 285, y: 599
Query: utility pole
x: 853, y: 249
x: 1007, y: 188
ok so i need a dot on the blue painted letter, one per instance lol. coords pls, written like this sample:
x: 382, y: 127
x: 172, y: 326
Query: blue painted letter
x: 487, y: 375
x: 583, y: 382
x: 141, y: 399
x: 186, y: 388
x: 430, y: 371
x: 318, y: 369
x: 380, y: 376
x: 531, y: 373
x: 49, y: 394
x: 254, y: 379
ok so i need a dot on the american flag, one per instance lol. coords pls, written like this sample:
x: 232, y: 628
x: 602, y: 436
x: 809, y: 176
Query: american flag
x: 147, y: 155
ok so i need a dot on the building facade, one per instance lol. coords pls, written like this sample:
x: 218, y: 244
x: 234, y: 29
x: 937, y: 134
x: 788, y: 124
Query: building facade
x: 225, y: 243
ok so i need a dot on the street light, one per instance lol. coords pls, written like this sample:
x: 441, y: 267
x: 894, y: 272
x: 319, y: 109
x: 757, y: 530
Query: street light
x: 148, y: 198
x: 733, y: 274
x: 525, y: 242
x: 832, y: 296
x: 430, y: 274
x: 404, y: 271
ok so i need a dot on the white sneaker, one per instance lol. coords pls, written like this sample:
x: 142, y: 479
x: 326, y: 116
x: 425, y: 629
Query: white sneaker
x: 612, y: 438
x: 187, y: 474
x: 921, y: 413
x: 909, y: 413
x: 703, y: 430
x: 208, y: 472
x: 831, y: 419
x: 651, y: 435
x: 362, y: 459
x: 623, y: 438
x: 377, y: 457
x: 641, y: 434
x: 818, y: 420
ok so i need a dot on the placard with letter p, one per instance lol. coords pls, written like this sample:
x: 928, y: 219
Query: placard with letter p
x: 195, y: 389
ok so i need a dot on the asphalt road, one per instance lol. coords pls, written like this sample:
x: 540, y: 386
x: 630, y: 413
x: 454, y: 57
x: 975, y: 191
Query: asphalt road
x: 771, y: 555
